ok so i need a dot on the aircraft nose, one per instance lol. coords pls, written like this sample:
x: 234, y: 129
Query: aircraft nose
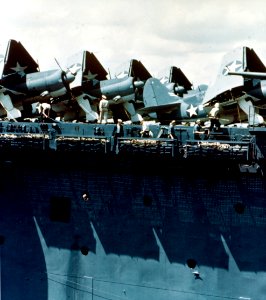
x: 138, y: 84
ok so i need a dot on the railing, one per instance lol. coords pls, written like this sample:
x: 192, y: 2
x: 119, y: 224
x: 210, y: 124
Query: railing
x: 92, y: 144
x: 243, y: 150
x: 163, y: 146
x: 85, y: 138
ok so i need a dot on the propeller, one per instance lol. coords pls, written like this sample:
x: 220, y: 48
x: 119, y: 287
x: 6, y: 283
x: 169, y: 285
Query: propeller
x: 68, y: 76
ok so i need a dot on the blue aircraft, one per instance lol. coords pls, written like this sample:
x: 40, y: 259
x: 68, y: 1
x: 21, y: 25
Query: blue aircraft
x: 75, y: 88
x: 173, y: 100
x: 240, y: 87
x: 22, y: 83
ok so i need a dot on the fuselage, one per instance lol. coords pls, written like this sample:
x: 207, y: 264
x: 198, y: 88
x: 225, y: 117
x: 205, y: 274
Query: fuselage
x: 52, y: 82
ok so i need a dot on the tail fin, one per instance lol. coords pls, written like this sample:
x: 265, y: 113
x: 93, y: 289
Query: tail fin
x: 133, y: 69
x: 177, y: 82
x: 234, y: 60
x: 91, y: 65
x: 237, y: 73
x: 254, y: 69
x: 178, y: 77
x: 91, y: 70
x: 138, y: 71
x: 253, y: 62
x: 18, y: 60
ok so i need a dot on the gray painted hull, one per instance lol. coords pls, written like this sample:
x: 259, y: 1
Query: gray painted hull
x: 148, y: 231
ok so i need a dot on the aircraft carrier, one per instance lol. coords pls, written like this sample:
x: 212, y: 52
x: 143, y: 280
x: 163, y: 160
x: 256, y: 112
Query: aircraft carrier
x: 153, y: 218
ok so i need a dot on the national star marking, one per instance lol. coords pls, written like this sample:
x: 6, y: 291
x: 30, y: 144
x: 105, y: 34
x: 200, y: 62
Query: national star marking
x: 19, y: 69
x: 192, y: 110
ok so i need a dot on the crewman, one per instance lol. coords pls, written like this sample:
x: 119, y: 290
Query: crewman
x: 44, y: 109
x: 145, y: 130
x: 171, y: 130
x: 103, y: 108
x: 197, y: 130
x: 214, y: 116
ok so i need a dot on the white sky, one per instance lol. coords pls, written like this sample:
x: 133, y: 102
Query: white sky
x: 190, y: 34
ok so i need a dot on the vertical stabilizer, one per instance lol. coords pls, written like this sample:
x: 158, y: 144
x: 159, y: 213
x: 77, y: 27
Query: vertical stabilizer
x: 3, y: 49
x: 92, y: 66
x: 178, y: 77
x: 17, y: 60
x: 253, y: 62
x: 234, y: 60
x: 138, y: 71
x: 91, y: 71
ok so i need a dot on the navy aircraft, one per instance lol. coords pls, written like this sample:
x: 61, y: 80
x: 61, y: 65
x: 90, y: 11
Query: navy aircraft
x: 22, y: 83
x: 139, y: 72
x: 121, y: 91
x: 126, y: 88
x: 173, y: 100
x: 70, y: 91
x: 177, y: 82
x: 81, y: 104
x: 240, y: 87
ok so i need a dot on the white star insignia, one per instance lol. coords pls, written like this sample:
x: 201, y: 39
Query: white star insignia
x: 234, y: 66
x: 192, y: 110
x: 19, y: 69
x: 90, y: 76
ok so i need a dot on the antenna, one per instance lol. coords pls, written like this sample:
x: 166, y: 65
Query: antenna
x: 58, y: 63
x: 38, y: 68
x: 109, y: 73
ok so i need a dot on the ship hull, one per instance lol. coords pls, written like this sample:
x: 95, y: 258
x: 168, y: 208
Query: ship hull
x: 150, y: 229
